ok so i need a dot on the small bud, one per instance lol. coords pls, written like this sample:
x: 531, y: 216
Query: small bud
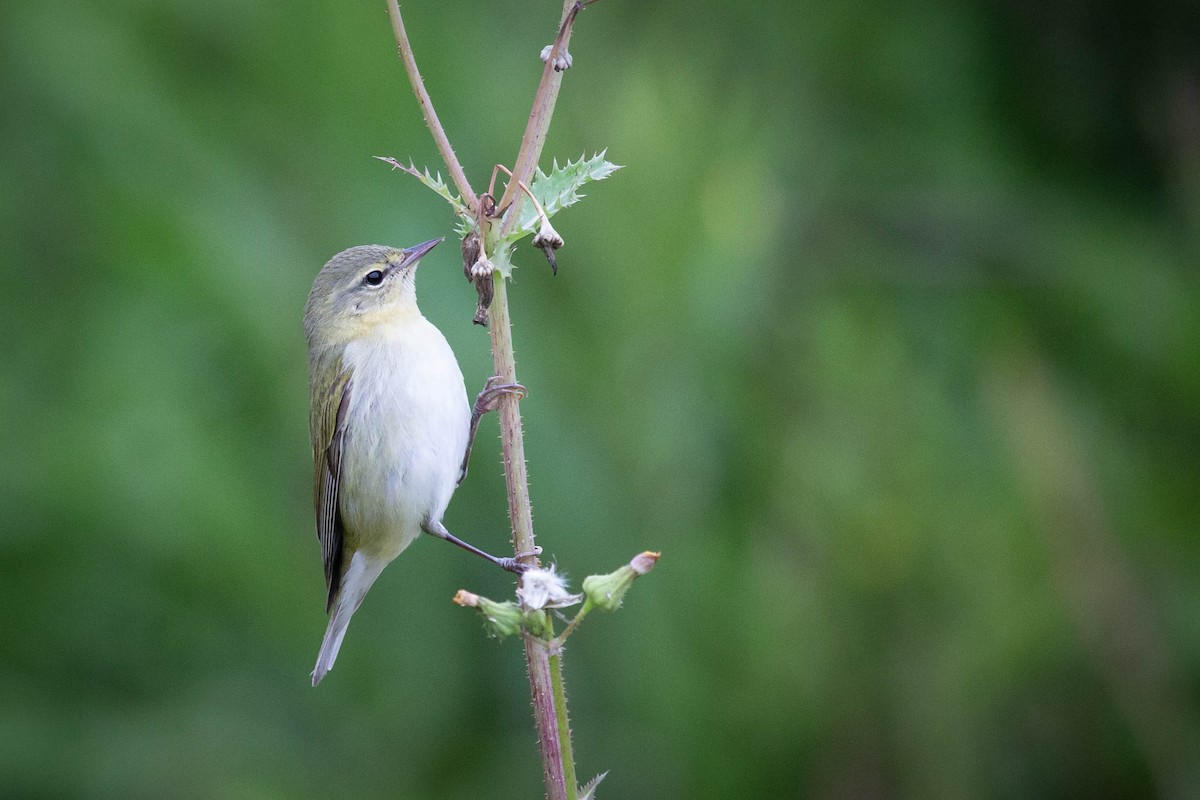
x: 544, y: 588
x: 563, y: 62
x: 537, y: 623
x: 467, y: 599
x: 499, y: 619
x: 548, y: 240
x: 607, y: 591
x: 644, y: 562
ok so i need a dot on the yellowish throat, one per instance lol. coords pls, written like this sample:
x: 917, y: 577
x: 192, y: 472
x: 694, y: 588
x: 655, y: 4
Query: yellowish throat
x: 390, y: 423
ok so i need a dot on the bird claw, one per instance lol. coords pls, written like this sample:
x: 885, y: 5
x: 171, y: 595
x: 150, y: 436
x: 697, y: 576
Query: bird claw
x: 489, y: 398
x: 515, y: 563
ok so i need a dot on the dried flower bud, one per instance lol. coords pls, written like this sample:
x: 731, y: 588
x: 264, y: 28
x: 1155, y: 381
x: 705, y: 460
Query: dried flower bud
x: 563, y: 62
x: 478, y: 270
x: 542, y: 587
x: 470, y: 253
x: 548, y: 240
x: 487, y: 205
x: 499, y: 619
x: 481, y: 276
x: 547, y: 236
x: 607, y: 591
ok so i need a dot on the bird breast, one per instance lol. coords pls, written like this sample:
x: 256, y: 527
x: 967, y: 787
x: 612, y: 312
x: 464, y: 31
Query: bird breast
x: 407, y: 426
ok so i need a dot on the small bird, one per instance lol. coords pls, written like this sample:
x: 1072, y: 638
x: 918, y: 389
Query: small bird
x: 390, y: 423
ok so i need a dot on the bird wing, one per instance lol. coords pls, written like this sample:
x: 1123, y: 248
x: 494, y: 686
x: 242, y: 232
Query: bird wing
x: 327, y: 425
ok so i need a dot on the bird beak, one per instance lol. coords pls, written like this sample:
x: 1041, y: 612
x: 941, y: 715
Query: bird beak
x: 414, y: 254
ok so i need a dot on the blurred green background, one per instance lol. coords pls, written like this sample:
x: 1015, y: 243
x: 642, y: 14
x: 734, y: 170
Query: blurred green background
x: 888, y: 336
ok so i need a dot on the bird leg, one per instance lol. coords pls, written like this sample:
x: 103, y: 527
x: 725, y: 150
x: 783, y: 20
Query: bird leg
x: 488, y: 400
x: 511, y: 564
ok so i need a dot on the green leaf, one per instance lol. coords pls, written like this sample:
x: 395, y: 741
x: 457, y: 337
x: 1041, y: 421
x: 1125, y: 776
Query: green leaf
x: 502, y: 258
x: 560, y: 189
x: 463, y: 225
x: 588, y: 792
x: 556, y: 191
x: 437, y: 184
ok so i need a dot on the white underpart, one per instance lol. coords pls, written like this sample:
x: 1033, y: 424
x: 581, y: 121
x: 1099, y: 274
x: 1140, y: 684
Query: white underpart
x: 408, y: 421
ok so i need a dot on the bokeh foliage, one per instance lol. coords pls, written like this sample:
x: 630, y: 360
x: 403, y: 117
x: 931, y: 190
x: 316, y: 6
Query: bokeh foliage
x: 887, y: 337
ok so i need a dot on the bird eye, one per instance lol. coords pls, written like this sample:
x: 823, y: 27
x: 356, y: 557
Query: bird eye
x: 373, y: 278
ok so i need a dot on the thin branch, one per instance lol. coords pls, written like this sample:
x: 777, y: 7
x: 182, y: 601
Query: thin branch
x: 548, y: 705
x: 431, y: 118
x: 539, y: 116
x: 512, y: 446
x: 556, y: 644
x: 536, y: 205
x: 545, y: 675
x: 545, y: 715
x: 512, y: 437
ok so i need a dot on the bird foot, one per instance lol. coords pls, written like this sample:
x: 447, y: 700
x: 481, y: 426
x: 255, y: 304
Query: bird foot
x: 489, y: 399
x: 516, y: 565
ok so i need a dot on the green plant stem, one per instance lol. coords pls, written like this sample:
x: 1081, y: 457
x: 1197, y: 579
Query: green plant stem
x: 564, y: 725
x: 556, y: 644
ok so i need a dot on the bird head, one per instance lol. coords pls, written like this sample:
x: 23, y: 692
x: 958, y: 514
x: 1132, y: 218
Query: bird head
x: 363, y: 285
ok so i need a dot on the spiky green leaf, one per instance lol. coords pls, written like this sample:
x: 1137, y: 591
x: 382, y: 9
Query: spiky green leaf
x: 560, y: 189
x: 588, y: 791
x: 555, y: 191
x: 463, y: 226
x: 435, y: 183
x: 502, y: 258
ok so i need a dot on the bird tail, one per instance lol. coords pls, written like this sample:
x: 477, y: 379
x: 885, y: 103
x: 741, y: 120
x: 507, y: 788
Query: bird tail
x: 358, y: 579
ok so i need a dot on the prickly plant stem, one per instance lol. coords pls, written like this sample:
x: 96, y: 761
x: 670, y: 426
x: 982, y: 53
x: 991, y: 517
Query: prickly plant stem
x: 539, y: 118
x: 512, y: 436
x: 431, y: 118
x: 549, y: 705
x: 546, y: 715
x: 545, y: 673
x: 564, y: 726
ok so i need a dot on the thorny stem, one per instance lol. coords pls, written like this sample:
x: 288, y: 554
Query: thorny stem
x: 563, y: 725
x: 545, y: 680
x: 546, y: 715
x: 431, y: 118
x: 512, y: 445
x: 545, y: 673
x: 539, y: 116
x: 512, y: 437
